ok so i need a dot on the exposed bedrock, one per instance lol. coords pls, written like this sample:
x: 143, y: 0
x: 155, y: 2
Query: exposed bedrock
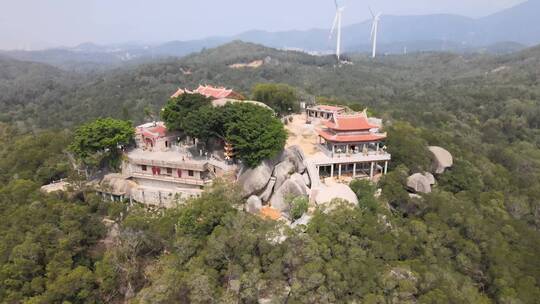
x: 254, y: 180
x: 253, y: 204
x: 281, y: 197
x: 267, y: 178
x: 421, y: 183
x: 442, y: 159
x: 326, y: 194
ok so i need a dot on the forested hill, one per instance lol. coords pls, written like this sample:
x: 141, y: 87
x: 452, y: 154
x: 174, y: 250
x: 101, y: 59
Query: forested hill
x: 474, y: 239
x: 69, y: 98
x: 28, y: 88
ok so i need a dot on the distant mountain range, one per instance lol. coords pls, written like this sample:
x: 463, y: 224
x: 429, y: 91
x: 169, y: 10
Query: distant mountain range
x: 514, y: 27
x: 507, y: 31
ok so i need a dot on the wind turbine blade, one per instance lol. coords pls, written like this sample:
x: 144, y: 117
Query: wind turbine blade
x: 372, y: 31
x: 374, y: 37
x: 372, y: 15
x: 334, y: 25
x: 337, y: 5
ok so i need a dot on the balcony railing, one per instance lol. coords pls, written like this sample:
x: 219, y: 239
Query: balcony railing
x: 370, y: 155
x: 369, y: 152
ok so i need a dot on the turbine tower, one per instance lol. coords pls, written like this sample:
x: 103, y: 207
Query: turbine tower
x: 337, y: 25
x: 374, y: 30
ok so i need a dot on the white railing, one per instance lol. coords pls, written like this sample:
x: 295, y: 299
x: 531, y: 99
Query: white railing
x: 367, y: 153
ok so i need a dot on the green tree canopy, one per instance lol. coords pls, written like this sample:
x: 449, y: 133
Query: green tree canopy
x: 280, y: 97
x: 408, y: 147
x: 204, y: 123
x: 365, y: 192
x: 102, y: 136
x: 299, y: 206
x: 176, y: 112
x: 253, y: 131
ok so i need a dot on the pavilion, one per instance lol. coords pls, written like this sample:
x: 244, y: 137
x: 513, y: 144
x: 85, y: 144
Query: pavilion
x: 323, y: 112
x: 351, y: 146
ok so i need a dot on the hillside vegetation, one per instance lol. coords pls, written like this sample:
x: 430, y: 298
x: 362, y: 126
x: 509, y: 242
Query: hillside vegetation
x: 475, y: 239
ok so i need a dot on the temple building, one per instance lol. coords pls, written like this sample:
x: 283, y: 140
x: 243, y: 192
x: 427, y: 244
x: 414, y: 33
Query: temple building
x: 352, y: 146
x: 163, y: 169
x: 323, y: 112
x: 211, y: 92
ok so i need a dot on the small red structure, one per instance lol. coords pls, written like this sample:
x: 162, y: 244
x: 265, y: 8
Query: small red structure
x: 154, y: 136
x: 211, y: 92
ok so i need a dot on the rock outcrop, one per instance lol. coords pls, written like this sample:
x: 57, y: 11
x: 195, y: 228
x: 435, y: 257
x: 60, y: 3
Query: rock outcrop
x: 267, y: 193
x: 302, y: 221
x: 307, y: 179
x: 442, y: 159
x: 271, y: 174
x: 338, y: 191
x: 254, y: 180
x: 275, y: 181
x: 430, y: 178
x: 295, y: 155
x: 421, y: 183
x: 253, y: 204
x: 288, y: 189
x: 299, y: 179
x: 282, y: 172
x: 116, y: 184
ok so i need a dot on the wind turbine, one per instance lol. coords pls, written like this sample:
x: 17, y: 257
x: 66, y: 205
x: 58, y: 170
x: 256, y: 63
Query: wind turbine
x: 337, y: 24
x: 374, y: 30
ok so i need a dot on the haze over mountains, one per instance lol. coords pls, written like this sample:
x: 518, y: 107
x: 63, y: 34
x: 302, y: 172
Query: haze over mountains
x: 503, y: 32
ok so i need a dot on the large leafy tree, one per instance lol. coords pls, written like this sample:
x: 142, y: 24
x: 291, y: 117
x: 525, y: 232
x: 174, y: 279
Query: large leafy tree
x: 177, y: 110
x: 204, y: 123
x: 254, y: 131
x: 280, y: 97
x: 101, y: 139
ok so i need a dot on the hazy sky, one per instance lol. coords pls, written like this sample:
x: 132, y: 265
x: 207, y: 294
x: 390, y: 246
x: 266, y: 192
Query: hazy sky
x: 47, y: 23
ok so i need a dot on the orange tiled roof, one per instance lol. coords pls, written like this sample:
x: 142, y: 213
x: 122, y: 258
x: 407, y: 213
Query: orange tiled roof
x: 351, y: 137
x: 159, y: 130
x: 329, y: 108
x: 357, y: 122
x: 178, y: 93
x: 270, y: 213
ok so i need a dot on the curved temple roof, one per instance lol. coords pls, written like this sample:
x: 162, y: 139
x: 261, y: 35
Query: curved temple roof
x: 348, y: 138
x: 356, y: 122
x: 153, y: 130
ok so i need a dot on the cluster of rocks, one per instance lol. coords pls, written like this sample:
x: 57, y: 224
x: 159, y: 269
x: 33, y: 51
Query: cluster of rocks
x: 422, y: 182
x: 276, y: 180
